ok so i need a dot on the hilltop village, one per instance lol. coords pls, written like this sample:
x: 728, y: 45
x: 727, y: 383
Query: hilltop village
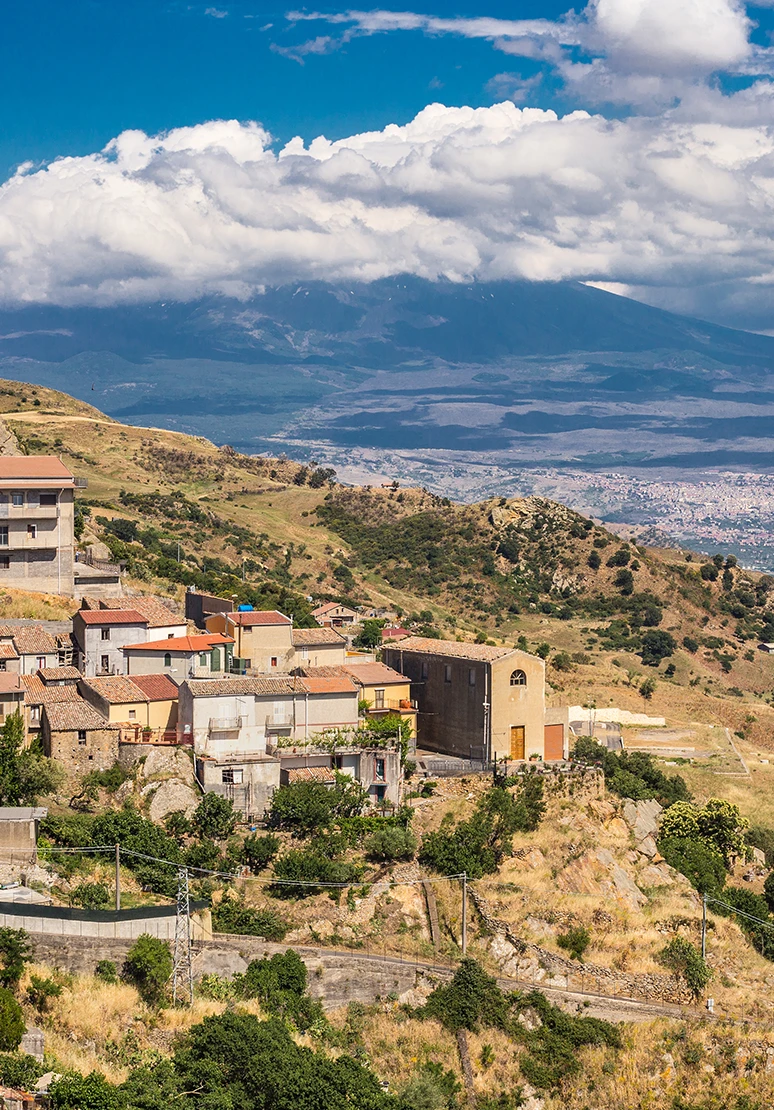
x: 421, y: 805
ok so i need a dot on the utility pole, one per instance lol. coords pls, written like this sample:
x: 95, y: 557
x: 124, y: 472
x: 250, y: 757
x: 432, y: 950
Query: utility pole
x: 118, y: 877
x: 464, y: 913
x: 182, y: 969
x: 704, y: 927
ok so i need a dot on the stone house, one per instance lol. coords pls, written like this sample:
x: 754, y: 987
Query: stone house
x: 11, y: 696
x: 163, y: 619
x: 180, y: 657
x: 142, y: 716
x: 476, y: 701
x: 39, y: 692
x: 319, y: 647
x: 32, y: 649
x: 37, y: 518
x: 101, y: 634
x: 79, y: 737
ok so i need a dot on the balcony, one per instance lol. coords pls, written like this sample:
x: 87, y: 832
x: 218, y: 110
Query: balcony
x: 405, y: 705
x: 275, y: 722
x: 225, y: 724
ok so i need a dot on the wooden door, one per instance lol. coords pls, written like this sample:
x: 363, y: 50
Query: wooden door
x: 554, y: 742
x: 517, y: 741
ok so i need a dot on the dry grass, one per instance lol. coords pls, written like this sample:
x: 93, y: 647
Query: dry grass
x: 19, y: 604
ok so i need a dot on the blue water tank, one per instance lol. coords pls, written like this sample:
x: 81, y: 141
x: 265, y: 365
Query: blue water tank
x: 244, y: 608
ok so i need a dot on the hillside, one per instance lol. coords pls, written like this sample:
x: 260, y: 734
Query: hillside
x: 530, y: 571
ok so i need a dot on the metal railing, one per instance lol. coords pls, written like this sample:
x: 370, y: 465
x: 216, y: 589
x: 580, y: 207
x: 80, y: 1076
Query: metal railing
x: 285, y: 721
x: 405, y: 705
x: 225, y: 724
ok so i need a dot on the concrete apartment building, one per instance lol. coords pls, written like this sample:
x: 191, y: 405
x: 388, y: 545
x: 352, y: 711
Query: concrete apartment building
x: 476, y: 701
x: 101, y: 634
x: 385, y: 691
x: 163, y: 618
x: 37, y: 516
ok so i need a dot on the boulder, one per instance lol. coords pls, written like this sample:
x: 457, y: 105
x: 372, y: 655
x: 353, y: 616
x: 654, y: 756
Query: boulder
x: 598, y: 873
x: 647, y: 847
x: 642, y: 818
x: 168, y: 762
x: 171, y: 796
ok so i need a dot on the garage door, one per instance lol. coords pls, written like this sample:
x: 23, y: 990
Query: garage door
x: 554, y: 742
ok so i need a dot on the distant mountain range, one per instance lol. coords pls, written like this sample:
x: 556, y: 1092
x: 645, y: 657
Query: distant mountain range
x: 530, y: 373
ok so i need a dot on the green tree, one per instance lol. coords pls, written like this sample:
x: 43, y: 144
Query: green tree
x: 472, y: 1001
x: 684, y: 960
x: 149, y: 967
x: 24, y: 774
x: 370, y: 634
x: 19, y: 1070
x: 92, y: 896
x: 11, y: 1021
x: 305, y: 807
x: 15, y: 951
x: 718, y: 825
x: 41, y: 991
x: 594, y: 560
x: 215, y: 817
x: 230, y: 915
x: 656, y: 645
x: 260, y: 851
x: 85, y: 1092
x: 648, y: 687
x: 391, y: 843
x: 702, y: 866
x: 624, y: 581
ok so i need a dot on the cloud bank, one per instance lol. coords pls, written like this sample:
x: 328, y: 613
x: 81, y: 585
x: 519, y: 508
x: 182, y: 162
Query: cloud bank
x: 457, y: 193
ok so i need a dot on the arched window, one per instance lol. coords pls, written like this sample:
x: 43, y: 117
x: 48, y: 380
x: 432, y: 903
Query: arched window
x: 167, y: 659
x: 518, y: 678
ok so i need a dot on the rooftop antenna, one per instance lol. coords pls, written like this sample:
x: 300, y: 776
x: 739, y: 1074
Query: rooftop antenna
x: 182, y: 968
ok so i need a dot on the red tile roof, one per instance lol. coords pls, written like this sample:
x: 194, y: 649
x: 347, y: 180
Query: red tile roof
x: 341, y: 685
x: 29, y: 639
x: 10, y: 683
x: 60, y: 674
x: 267, y: 617
x: 317, y: 637
x: 153, y: 609
x: 33, y: 466
x: 204, y: 642
x: 112, y: 616
x: 311, y: 774
x: 394, y: 633
x: 116, y: 689
x: 156, y: 687
x: 375, y: 674
x: 39, y: 694
x: 8, y: 651
x: 68, y: 716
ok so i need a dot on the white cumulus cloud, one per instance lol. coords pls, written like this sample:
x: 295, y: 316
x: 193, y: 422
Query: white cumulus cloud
x: 456, y: 193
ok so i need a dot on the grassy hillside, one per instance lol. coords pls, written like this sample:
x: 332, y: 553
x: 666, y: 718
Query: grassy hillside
x: 524, y: 571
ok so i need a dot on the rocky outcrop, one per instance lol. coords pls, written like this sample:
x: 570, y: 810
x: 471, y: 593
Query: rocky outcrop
x: 521, y: 959
x: 9, y: 444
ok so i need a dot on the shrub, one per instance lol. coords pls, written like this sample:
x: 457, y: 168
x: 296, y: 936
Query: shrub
x: 702, y: 866
x: 303, y: 869
x: 306, y: 807
x: 576, y: 940
x: 149, y: 967
x: 14, y: 953
x: 472, y: 1000
x: 107, y: 971
x: 231, y: 916
x: 41, y: 991
x: 177, y: 824
x: 656, y: 645
x: 280, y: 984
x: 690, y: 644
x: 624, y: 581
x: 85, y: 1092
x: 11, y: 1021
x: 432, y: 1088
x: 594, y: 560
x: 259, y: 851
x: 215, y: 817
x: 20, y: 1070
x: 632, y: 774
x: 718, y: 825
x: 684, y: 960
x: 391, y: 843
x: 92, y: 896
x: 760, y: 933
x: 761, y: 837
x: 562, y: 661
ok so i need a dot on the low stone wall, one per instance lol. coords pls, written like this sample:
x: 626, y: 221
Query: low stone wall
x: 521, y: 959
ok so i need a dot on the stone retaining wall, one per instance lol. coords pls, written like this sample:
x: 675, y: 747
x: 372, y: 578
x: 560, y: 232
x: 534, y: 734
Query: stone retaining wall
x: 521, y: 959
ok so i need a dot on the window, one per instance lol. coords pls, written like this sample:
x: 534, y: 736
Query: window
x: 35, y: 713
x: 132, y: 714
x: 3, y: 664
x: 17, y: 499
x: 378, y: 699
x: 380, y: 793
x: 380, y: 770
x: 81, y: 736
x: 471, y: 676
x: 167, y: 659
x: 425, y: 669
x: 232, y: 775
x: 518, y: 678
x: 48, y: 499
x: 447, y: 673
x: 32, y: 531
x: 4, y: 535
x: 105, y: 633
x: 42, y: 662
x: 274, y: 660
x: 203, y: 658
x: 5, y: 562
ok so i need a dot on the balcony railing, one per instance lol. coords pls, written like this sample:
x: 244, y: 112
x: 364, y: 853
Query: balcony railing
x: 285, y: 721
x: 225, y: 724
x: 404, y: 705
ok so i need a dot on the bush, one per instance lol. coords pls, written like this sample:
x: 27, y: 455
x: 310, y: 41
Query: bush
x: 760, y: 933
x: 307, y: 807
x: 702, y: 866
x: 391, y: 843
x: 279, y: 983
x: 20, y: 1070
x: 149, y: 967
x: 85, y: 1092
x: 92, y: 896
x: 684, y: 960
x: 472, y: 1001
x: 656, y: 645
x: 215, y: 817
x: 107, y: 971
x: 259, y: 851
x: 232, y: 916
x: 576, y: 940
x: 303, y: 869
x: 14, y: 953
x: 632, y: 774
x: 718, y: 824
x: 624, y: 581
x: 761, y: 837
x: 11, y: 1021
x: 432, y: 1088
x: 690, y: 644
x: 41, y: 991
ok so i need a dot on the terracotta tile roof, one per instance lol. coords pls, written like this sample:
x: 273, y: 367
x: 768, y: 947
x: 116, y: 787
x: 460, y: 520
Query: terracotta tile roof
x: 33, y: 466
x: 483, y: 653
x: 245, y: 685
x: 111, y: 616
x: 116, y: 689
x: 10, y: 683
x: 314, y: 637
x: 311, y: 774
x: 204, y: 642
x: 262, y: 617
x: 68, y: 716
x: 157, y: 614
x: 156, y: 687
x: 40, y: 694
x: 394, y: 633
x: 329, y: 606
x: 29, y: 640
x: 60, y: 674
x: 341, y: 685
x: 375, y: 674
x: 8, y: 651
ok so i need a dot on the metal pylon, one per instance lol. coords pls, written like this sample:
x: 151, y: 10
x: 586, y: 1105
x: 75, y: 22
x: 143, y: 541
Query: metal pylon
x: 182, y: 969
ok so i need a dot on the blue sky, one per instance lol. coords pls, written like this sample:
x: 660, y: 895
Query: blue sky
x: 131, y: 188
